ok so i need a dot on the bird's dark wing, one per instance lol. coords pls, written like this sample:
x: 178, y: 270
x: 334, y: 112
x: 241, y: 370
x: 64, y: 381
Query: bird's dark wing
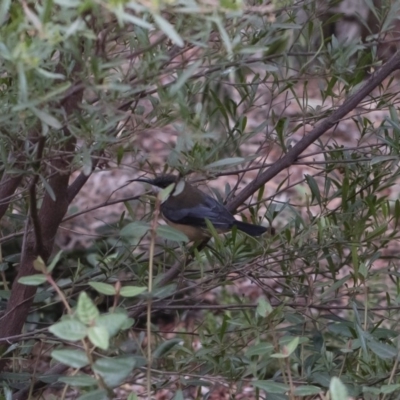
x: 208, y: 208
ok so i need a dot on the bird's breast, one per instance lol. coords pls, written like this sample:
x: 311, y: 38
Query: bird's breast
x: 192, y: 232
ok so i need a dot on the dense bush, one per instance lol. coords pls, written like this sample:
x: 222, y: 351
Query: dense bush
x: 293, y: 127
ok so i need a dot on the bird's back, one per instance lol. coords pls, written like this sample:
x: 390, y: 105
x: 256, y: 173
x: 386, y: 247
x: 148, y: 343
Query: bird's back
x: 192, y: 207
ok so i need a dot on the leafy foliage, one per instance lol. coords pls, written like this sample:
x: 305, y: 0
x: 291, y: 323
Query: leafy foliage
x: 235, y: 85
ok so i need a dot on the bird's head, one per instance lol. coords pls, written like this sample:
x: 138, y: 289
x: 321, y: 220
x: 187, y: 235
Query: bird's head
x: 163, y: 181
x: 160, y: 181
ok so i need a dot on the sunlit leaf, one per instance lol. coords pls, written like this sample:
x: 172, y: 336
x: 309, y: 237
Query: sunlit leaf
x: 33, y: 280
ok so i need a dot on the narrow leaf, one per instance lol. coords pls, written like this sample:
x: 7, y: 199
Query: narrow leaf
x: 48, y: 188
x: 271, y: 386
x: 307, y: 390
x: 184, y: 77
x: 33, y: 280
x: 103, y: 288
x: 166, y: 347
x: 98, y: 394
x: 78, y: 380
x: 168, y: 29
x: 46, y: 118
x: 131, y: 291
x: 226, y: 162
x: 54, y: 261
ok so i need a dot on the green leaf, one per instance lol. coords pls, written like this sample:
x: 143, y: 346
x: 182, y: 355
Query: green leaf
x: 113, y: 323
x: 78, y: 380
x: 224, y: 34
x: 166, y: 347
x: 184, y: 76
x: 33, y: 280
x: 22, y: 83
x: 72, y: 358
x: 86, y: 310
x: 4, y: 7
x: 260, y: 349
x: 170, y: 233
x: 99, y: 336
x: 98, y: 394
x: 131, y: 291
x: 312, y: 183
x: 264, y: 308
x: 335, y: 286
x: 103, y: 288
x: 135, y: 229
x: 271, y: 386
x: 46, y: 118
x: 124, y: 312
x: 54, y: 261
x: 382, y: 350
x: 371, y: 390
x: 168, y: 29
x: 56, y: 91
x: 307, y: 390
x: 226, y: 162
x: 376, y: 232
x: 39, y: 265
x: 178, y: 395
x: 397, y: 212
x: 48, y: 188
x: 387, y: 389
x: 52, y: 75
x: 164, y: 291
x: 338, y: 390
x: 136, y: 21
x: 231, y: 4
x: 287, y: 349
x: 164, y: 193
x: 69, y: 330
x: 114, y: 370
x: 379, y: 159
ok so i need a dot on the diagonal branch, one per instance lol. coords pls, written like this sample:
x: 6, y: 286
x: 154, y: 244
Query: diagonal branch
x: 291, y: 156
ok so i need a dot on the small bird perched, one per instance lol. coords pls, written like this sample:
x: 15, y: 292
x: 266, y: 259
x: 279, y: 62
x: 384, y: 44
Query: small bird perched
x: 186, y: 208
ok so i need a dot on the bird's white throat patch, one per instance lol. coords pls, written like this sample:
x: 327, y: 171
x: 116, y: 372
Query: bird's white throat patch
x: 179, y: 188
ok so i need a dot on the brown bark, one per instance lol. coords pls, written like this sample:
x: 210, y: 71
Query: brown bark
x: 8, y: 186
x: 46, y: 224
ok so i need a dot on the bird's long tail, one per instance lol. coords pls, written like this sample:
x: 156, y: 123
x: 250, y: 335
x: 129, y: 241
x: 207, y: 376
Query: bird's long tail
x: 250, y: 229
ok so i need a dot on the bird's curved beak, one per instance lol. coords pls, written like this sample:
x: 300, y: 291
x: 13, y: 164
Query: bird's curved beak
x: 145, y: 180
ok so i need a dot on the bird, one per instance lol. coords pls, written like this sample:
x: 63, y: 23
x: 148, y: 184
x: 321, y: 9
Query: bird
x: 186, y: 208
